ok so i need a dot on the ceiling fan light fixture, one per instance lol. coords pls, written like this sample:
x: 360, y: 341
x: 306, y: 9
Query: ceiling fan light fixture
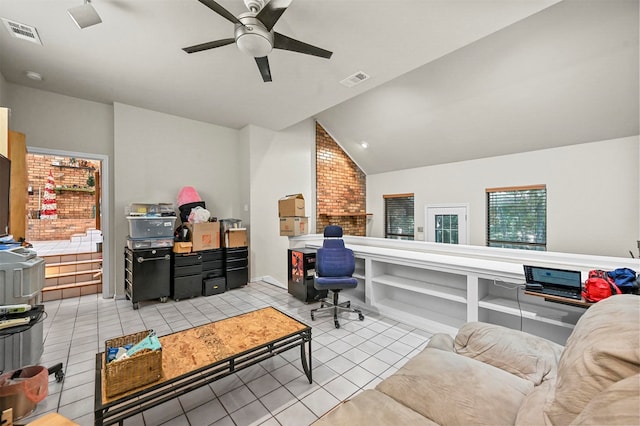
x: 254, y: 44
x: 84, y: 16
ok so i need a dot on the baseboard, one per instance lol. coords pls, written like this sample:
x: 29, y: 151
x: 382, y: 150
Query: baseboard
x: 270, y: 280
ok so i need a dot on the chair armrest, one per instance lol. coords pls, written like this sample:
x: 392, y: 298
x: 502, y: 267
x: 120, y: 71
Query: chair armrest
x: 525, y: 355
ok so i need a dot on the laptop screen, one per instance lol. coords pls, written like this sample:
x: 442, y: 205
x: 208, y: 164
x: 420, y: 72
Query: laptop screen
x: 552, y: 277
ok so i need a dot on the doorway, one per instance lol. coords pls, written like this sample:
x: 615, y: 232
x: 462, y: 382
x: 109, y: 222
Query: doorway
x: 446, y: 223
x: 75, y: 186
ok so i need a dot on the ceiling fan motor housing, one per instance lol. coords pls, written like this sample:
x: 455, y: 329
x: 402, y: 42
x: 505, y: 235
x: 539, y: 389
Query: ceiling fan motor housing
x: 252, y: 37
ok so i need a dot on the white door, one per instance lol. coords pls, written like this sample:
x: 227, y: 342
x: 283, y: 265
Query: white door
x: 446, y: 224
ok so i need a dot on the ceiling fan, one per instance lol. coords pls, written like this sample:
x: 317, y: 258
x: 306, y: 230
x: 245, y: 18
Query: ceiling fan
x: 254, y: 33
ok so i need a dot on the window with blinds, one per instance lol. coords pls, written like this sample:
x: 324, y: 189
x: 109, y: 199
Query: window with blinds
x: 517, y: 217
x: 398, y: 216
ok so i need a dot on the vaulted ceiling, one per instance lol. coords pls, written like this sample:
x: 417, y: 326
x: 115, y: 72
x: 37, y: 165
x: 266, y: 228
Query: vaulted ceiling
x: 450, y: 79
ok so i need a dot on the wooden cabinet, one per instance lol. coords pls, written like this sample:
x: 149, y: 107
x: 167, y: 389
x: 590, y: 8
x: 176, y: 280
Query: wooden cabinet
x: 17, y: 150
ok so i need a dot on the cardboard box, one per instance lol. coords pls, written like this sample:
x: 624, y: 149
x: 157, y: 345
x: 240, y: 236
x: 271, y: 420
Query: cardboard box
x: 182, y: 247
x: 236, y: 237
x: 291, y: 205
x: 205, y: 236
x: 294, y: 226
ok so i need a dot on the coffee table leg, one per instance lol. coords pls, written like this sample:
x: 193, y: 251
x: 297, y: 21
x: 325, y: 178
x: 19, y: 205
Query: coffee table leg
x: 306, y: 362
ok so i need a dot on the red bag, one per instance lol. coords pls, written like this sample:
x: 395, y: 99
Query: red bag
x: 599, y: 286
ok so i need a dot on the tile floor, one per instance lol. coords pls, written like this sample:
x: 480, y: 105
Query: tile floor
x: 274, y: 392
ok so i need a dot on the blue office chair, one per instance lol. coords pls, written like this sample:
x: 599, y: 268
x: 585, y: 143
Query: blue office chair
x: 334, y: 265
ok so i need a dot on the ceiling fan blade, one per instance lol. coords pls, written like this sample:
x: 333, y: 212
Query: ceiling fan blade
x: 221, y: 11
x: 271, y: 12
x: 263, y: 66
x: 209, y: 45
x: 287, y: 43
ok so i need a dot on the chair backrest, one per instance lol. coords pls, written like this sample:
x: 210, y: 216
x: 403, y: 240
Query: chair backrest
x: 333, y: 259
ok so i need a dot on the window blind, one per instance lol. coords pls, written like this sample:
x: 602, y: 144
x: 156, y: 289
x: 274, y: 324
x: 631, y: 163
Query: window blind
x: 517, y: 217
x: 399, y: 221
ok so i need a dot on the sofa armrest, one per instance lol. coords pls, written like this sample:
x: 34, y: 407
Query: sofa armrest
x: 441, y: 341
x: 525, y: 355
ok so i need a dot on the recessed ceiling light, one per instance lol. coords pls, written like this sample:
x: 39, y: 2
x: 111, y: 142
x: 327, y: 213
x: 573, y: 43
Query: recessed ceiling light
x: 33, y: 75
x: 364, y: 144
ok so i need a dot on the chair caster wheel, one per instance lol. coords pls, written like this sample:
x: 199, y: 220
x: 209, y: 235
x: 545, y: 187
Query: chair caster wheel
x: 312, y: 317
x: 361, y: 317
x: 337, y: 324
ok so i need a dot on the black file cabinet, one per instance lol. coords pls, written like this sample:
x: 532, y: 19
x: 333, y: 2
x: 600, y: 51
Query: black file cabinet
x: 237, y: 266
x: 146, y: 274
x: 302, y: 268
x: 214, y: 280
x: 186, y: 275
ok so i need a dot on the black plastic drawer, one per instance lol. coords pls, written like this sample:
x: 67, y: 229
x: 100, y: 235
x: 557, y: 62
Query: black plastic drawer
x: 237, y: 263
x: 209, y: 255
x: 187, y: 259
x: 213, y: 273
x: 186, y: 287
x: 237, y: 277
x: 183, y: 271
x: 236, y: 253
x: 214, y: 264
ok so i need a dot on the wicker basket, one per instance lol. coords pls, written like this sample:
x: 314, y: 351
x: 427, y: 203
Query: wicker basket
x: 127, y: 374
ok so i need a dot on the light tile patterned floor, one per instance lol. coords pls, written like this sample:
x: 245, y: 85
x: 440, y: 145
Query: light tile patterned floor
x: 275, y: 392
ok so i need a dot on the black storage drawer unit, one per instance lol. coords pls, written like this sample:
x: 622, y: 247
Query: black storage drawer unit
x: 237, y: 277
x: 236, y: 265
x: 213, y: 272
x: 186, y: 275
x: 146, y: 274
x: 302, y: 266
x: 212, y: 286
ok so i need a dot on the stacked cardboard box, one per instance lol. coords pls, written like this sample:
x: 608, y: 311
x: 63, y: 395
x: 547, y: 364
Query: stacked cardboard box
x: 293, y: 221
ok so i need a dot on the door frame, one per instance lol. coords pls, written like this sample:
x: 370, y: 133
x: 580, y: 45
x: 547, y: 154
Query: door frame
x: 427, y: 224
x: 105, y: 221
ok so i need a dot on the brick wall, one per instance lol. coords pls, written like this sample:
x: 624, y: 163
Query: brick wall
x: 75, y: 199
x: 57, y: 229
x: 340, y: 188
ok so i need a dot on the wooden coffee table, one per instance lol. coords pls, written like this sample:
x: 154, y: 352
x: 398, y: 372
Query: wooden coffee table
x: 200, y: 355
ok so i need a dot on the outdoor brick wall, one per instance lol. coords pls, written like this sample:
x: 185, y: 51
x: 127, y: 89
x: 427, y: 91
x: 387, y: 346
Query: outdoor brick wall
x: 75, y: 199
x: 57, y: 229
x: 340, y: 188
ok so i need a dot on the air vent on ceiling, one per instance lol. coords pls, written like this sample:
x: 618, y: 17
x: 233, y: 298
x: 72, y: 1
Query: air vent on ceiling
x: 354, y: 79
x: 22, y: 31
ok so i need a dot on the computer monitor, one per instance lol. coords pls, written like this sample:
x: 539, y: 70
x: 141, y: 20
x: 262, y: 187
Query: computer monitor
x: 553, y: 277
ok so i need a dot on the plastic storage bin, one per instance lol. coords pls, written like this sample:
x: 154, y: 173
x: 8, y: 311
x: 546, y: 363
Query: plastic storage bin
x: 151, y: 227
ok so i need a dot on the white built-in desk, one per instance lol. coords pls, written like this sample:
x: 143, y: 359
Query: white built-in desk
x: 439, y: 287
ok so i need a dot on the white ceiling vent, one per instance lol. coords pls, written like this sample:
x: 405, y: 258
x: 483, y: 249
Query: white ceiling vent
x: 354, y: 79
x: 22, y: 31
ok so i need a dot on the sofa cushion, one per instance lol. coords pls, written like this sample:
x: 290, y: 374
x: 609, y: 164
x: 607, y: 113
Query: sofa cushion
x: 604, y: 348
x: 525, y: 355
x: 532, y: 409
x: 618, y: 404
x: 451, y: 389
x: 372, y: 407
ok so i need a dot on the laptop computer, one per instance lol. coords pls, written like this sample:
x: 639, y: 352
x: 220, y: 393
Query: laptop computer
x: 554, y: 282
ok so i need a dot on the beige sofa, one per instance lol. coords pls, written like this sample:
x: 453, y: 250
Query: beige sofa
x: 490, y: 375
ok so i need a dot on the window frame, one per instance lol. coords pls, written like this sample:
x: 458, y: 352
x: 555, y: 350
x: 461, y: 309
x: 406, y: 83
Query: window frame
x: 517, y: 244
x: 402, y: 236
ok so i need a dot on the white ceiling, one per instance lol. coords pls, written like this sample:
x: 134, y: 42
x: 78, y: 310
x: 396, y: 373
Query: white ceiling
x: 494, y: 82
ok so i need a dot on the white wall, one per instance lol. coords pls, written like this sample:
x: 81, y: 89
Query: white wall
x: 592, y: 191
x: 4, y: 102
x: 281, y: 163
x: 157, y: 154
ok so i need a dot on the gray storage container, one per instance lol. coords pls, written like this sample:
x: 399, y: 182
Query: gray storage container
x: 21, y: 276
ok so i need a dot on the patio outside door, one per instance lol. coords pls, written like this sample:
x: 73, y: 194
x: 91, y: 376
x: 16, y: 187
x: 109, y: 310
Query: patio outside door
x: 446, y: 224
